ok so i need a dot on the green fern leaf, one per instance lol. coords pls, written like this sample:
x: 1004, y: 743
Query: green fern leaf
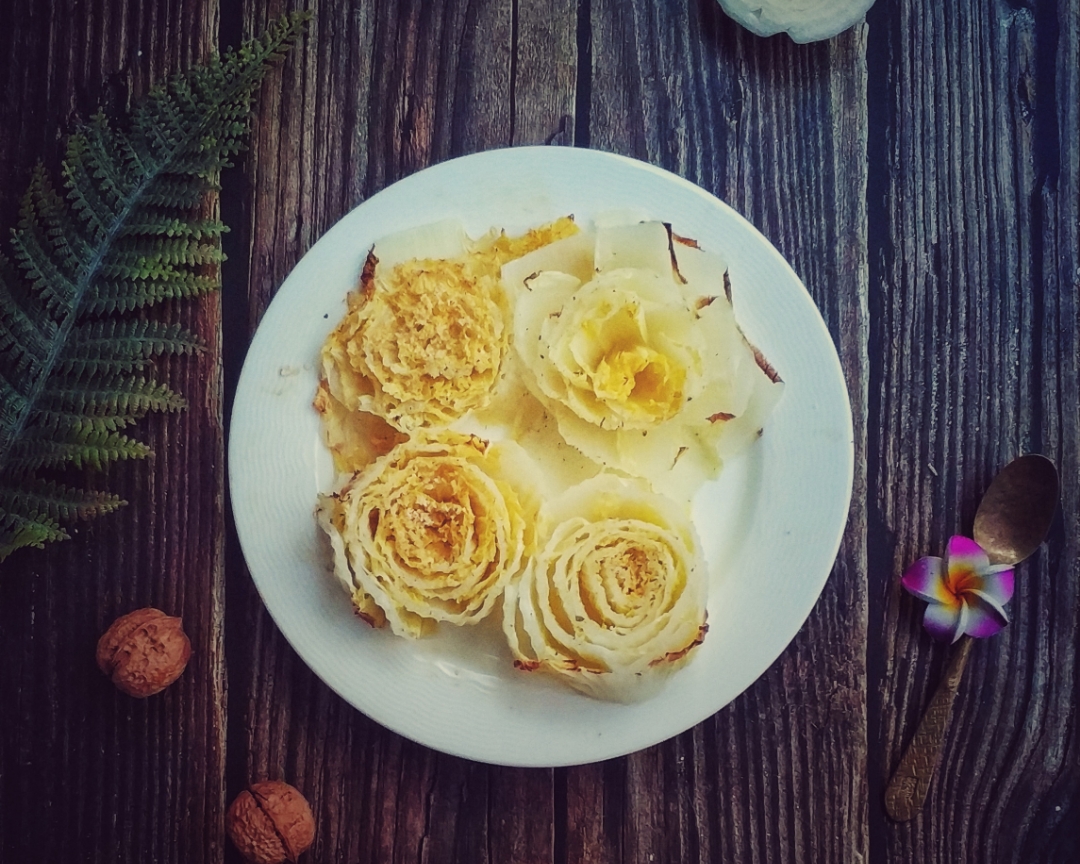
x: 95, y: 192
x: 25, y: 339
x: 52, y: 270
x: 126, y: 295
x: 122, y: 235
x: 21, y: 526
x: 121, y: 345
x: 81, y: 448
x: 138, y: 258
x: 56, y: 501
x: 120, y: 396
x: 160, y: 224
x: 177, y: 192
x: 13, y: 401
x: 60, y: 421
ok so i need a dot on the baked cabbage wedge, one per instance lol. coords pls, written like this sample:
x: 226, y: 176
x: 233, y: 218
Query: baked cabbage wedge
x: 627, y: 336
x: 614, y: 598
x: 433, y: 531
x: 426, y: 330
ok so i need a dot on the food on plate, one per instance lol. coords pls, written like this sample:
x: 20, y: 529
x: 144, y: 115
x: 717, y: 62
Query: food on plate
x: 628, y: 337
x: 432, y: 531
x: 523, y: 421
x: 426, y: 330
x: 802, y: 20
x: 614, y: 598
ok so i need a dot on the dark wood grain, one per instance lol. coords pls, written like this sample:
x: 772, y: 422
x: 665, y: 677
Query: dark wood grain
x: 922, y: 175
x: 376, y: 93
x: 683, y: 87
x: 974, y: 289
x: 87, y: 773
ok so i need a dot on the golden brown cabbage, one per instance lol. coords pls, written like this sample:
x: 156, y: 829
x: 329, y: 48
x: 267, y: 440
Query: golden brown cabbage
x: 614, y: 598
x: 432, y: 531
x: 422, y: 348
x: 425, y: 334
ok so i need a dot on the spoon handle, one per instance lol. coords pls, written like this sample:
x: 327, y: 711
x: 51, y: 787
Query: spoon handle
x: 906, y: 792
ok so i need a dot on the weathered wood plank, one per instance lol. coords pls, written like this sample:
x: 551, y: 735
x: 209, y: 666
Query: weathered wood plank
x: 974, y: 286
x: 87, y: 773
x: 966, y: 354
x: 779, y: 132
x: 545, y: 72
x: 378, y: 90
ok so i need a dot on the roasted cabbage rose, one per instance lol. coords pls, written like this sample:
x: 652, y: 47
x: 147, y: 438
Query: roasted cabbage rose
x: 432, y: 531
x: 614, y: 598
x: 426, y: 331
x: 421, y: 346
x: 631, y: 343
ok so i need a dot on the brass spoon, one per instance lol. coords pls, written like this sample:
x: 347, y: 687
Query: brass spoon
x: 1012, y: 520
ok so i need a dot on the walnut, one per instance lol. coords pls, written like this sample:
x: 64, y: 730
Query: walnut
x: 144, y: 651
x: 270, y: 823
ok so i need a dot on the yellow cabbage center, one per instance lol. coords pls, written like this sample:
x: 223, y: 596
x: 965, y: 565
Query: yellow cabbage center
x: 438, y: 332
x: 629, y: 572
x: 617, y: 364
x: 623, y: 580
x: 436, y: 528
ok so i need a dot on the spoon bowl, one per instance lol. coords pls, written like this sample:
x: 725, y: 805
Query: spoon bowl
x: 1015, y: 513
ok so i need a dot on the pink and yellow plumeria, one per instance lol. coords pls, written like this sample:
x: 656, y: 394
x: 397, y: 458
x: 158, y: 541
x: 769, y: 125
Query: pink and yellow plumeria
x: 965, y: 592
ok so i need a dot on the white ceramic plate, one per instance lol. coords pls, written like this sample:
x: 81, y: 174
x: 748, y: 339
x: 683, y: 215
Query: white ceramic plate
x: 771, y: 525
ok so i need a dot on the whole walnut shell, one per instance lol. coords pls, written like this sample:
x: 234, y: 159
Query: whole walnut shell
x: 144, y: 651
x: 270, y: 823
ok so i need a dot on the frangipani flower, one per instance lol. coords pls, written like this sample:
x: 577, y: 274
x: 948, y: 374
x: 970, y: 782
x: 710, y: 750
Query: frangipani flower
x: 964, y: 591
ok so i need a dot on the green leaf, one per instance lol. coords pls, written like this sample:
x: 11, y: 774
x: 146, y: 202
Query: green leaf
x: 63, y: 420
x: 56, y: 501
x: 176, y: 192
x: 124, y: 295
x: 122, y: 235
x: 121, y: 345
x: 23, y: 527
x: 148, y: 224
x: 118, y: 396
x: 26, y: 339
x: 82, y: 448
x: 138, y: 258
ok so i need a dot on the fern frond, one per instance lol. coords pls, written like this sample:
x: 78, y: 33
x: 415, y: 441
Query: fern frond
x: 60, y: 421
x: 177, y: 192
x: 25, y: 339
x: 117, y: 179
x: 13, y: 401
x: 150, y: 224
x: 138, y: 258
x: 122, y: 235
x: 110, y: 341
x: 81, y: 448
x: 126, y: 295
x: 117, y: 397
x: 98, y: 184
x: 24, y: 527
x: 56, y: 501
x: 48, y: 262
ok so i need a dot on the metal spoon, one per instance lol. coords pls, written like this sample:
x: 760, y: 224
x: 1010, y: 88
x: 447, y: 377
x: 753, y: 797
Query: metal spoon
x: 1012, y: 520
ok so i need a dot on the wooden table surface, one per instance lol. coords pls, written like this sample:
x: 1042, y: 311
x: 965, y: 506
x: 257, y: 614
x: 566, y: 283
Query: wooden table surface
x: 921, y: 172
